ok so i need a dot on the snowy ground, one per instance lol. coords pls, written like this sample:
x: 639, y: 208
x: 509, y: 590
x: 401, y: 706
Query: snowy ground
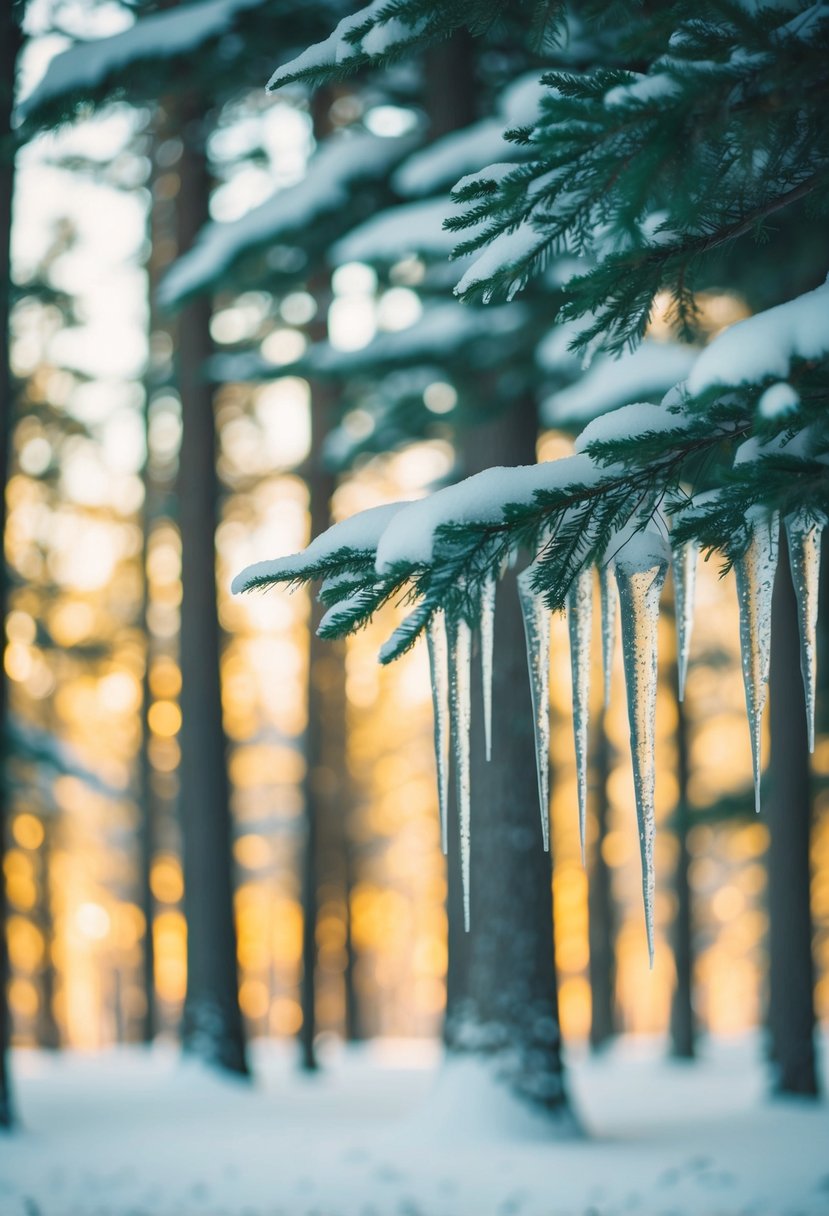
x: 384, y: 1132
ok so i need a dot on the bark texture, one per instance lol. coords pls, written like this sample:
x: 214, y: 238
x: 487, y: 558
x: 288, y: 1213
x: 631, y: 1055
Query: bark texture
x: 683, y: 1022
x: 789, y: 811
x: 502, y: 998
x: 601, y: 910
x: 212, y: 1025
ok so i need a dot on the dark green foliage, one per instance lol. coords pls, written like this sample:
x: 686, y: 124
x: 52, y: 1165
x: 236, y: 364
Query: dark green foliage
x: 675, y: 151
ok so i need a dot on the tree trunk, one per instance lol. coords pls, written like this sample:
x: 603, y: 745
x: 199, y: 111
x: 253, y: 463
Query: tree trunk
x: 789, y: 811
x: 683, y: 1028
x: 212, y: 1024
x: 10, y: 43
x: 502, y: 1001
x: 321, y: 780
x: 601, y: 912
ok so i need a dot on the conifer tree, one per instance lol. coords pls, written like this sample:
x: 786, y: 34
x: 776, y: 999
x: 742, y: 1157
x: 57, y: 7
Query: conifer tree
x: 671, y: 147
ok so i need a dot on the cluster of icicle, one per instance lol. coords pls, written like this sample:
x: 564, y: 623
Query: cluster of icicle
x: 640, y: 567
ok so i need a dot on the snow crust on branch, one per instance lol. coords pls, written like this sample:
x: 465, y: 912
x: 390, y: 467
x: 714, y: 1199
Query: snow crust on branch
x: 340, y: 163
x: 483, y: 498
x: 338, y: 48
x: 87, y: 65
x: 639, y: 418
x: 406, y: 229
x: 359, y: 534
x: 463, y: 152
x: 649, y: 371
x: 766, y: 344
x: 505, y: 251
x: 441, y: 330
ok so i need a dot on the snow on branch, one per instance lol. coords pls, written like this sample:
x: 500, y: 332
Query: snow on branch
x: 445, y: 553
x: 88, y: 67
x: 340, y: 165
x: 764, y: 346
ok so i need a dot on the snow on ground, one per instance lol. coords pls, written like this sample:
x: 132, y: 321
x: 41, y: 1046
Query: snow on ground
x: 383, y: 1131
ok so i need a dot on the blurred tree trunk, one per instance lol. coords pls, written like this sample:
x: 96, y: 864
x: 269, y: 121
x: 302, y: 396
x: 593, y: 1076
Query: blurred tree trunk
x: 48, y: 1034
x: 683, y: 1028
x: 789, y: 811
x: 502, y: 1002
x: 601, y: 911
x: 212, y: 1024
x: 324, y: 771
x: 326, y: 861
x: 11, y: 41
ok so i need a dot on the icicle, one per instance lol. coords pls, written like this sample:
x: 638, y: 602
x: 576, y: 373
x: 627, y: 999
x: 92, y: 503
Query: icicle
x: 641, y: 566
x: 803, y: 531
x: 537, y: 632
x: 487, y: 641
x: 436, y: 641
x: 755, y: 580
x: 610, y: 599
x: 579, y: 622
x: 685, y: 580
x: 459, y: 637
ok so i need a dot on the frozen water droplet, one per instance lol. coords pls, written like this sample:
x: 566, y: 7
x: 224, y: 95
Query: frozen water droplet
x: 610, y: 600
x: 641, y: 567
x: 459, y: 638
x: 537, y: 633
x: 755, y: 581
x: 685, y: 580
x: 487, y: 643
x: 579, y: 624
x: 803, y: 531
x: 436, y: 641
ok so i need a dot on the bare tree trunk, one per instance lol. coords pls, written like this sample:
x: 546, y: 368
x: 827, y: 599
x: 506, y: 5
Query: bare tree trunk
x: 212, y: 1024
x: 326, y: 863
x: 601, y: 911
x: 48, y: 1034
x: 11, y: 40
x: 502, y: 1001
x: 789, y: 810
x: 320, y: 784
x: 683, y: 1025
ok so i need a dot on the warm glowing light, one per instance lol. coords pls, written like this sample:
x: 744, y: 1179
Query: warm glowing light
x: 164, y: 718
x: 92, y: 921
x: 27, y: 831
x: 166, y: 881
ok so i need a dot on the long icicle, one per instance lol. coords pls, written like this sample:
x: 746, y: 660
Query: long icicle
x: 755, y: 581
x: 537, y: 633
x: 684, y: 559
x: 804, y: 531
x: 610, y: 600
x: 436, y: 642
x: 487, y: 625
x: 641, y: 568
x: 579, y: 624
x: 459, y: 638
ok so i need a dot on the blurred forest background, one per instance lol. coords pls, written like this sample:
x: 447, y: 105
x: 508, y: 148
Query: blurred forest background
x: 231, y: 322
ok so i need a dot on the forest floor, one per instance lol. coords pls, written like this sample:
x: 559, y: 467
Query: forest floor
x: 384, y: 1130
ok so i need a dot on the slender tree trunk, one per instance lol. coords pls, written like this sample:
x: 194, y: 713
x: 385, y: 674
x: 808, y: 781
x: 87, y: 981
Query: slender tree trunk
x: 319, y: 787
x: 502, y: 1002
x: 48, y: 1034
x: 683, y: 1026
x: 212, y: 1024
x: 10, y: 44
x: 791, y: 969
x: 601, y: 911
x: 326, y: 860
